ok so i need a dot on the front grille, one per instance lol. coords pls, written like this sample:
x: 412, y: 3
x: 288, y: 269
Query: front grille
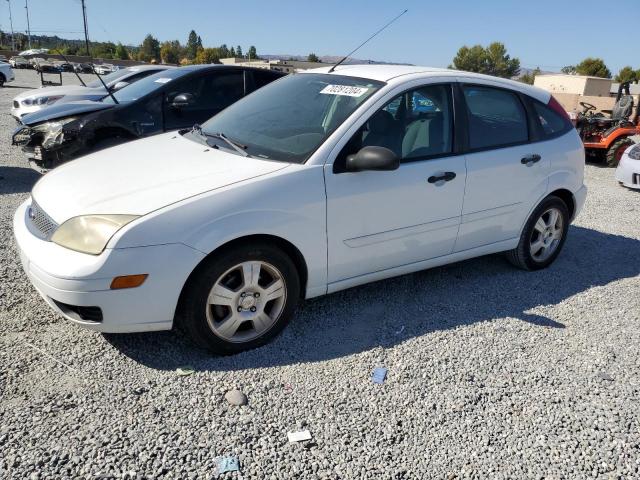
x: 636, y: 178
x: 41, y: 221
x: 16, y: 104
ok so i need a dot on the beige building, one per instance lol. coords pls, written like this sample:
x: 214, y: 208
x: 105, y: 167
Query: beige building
x: 574, y: 84
x: 286, y: 66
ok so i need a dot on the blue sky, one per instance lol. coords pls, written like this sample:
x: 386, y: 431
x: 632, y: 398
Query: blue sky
x: 545, y: 33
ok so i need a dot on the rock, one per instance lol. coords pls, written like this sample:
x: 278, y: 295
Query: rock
x: 235, y: 397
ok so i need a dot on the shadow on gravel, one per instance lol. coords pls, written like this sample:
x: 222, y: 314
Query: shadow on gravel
x: 390, y: 312
x: 17, y: 179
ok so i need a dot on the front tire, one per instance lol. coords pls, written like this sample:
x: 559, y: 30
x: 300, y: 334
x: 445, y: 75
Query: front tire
x: 543, y: 235
x: 239, y: 299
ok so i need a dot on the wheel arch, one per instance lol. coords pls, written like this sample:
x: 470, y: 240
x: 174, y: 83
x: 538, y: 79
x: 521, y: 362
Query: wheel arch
x: 567, y: 197
x: 286, y: 246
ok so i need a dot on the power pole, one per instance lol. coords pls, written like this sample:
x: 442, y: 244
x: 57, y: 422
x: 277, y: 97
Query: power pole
x: 13, y: 39
x: 26, y: 6
x: 86, y: 31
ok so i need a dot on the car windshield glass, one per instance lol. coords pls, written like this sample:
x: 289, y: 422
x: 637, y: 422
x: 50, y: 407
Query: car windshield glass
x: 146, y: 85
x: 110, y: 78
x: 288, y: 119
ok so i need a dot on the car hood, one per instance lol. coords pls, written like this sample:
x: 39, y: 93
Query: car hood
x: 61, y: 90
x: 139, y: 177
x: 65, y: 109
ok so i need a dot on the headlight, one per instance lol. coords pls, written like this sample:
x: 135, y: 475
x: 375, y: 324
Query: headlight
x: 53, y: 132
x: 634, y: 153
x: 43, y: 100
x: 90, y: 233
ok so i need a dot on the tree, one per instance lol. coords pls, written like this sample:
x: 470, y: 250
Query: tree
x: 239, y: 51
x: 253, y: 54
x: 492, y: 60
x: 594, y: 67
x: 208, y: 55
x: 627, y: 74
x: 170, y: 52
x: 530, y: 77
x: 232, y: 52
x: 104, y: 50
x: 312, y: 57
x: 193, y: 44
x: 121, y: 52
x: 569, y: 70
x: 150, y: 49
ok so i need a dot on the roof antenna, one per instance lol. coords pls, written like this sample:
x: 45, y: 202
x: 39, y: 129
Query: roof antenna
x: 358, y: 47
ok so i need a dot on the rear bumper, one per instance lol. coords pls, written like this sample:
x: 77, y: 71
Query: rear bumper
x: 579, y: 197
x: 66, y: 278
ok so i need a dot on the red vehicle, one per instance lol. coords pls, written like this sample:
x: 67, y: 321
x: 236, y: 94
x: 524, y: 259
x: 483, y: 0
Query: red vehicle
x: 606, y: 138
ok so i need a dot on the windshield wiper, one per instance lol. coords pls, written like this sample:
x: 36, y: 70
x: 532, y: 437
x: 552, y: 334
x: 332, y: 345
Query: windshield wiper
x: 197, y: 129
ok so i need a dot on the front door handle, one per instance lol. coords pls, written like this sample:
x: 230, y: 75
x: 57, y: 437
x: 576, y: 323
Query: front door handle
x: 530, y: 159
x: 441, y: 178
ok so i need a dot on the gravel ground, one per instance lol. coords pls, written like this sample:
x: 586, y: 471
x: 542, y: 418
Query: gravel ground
x: 493, y: 372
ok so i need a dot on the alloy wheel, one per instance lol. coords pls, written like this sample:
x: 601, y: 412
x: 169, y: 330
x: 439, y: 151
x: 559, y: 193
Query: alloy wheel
x: 246, y: 301
x: 547, y: 234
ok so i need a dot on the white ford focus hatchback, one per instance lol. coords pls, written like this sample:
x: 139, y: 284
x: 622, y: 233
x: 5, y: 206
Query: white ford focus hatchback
x: 317, y: 182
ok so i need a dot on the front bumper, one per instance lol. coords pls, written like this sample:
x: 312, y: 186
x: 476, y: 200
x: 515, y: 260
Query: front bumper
x: 20, y: 110
x: 66, y: 278
x: 628, y: 172
x: 45, y: 158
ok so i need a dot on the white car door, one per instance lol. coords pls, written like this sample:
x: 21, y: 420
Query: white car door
x: 506, y: 173
x: 377, y: 220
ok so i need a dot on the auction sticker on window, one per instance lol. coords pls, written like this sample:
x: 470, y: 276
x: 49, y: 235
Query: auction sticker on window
x: 162, y: 80
x: 344, y: 90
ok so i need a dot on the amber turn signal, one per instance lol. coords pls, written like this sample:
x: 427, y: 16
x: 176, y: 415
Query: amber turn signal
x: 128, y: 281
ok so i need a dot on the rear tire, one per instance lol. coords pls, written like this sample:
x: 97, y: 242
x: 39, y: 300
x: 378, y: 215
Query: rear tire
x: 615, y: 151
x: 543, y: 235
x: 2, y: 80
x: 240, y: 298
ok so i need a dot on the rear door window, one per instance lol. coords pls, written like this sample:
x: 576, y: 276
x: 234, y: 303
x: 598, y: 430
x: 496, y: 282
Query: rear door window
x: 496, y: 117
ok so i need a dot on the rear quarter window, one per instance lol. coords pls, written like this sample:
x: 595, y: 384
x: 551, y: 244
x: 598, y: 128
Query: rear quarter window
x: 551, y: 122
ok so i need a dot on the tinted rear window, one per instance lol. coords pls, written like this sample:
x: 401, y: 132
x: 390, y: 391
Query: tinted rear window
x: 552, y: 123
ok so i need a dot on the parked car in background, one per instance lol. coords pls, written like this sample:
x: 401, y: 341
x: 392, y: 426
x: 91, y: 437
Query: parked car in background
x: 318, y: 182
x: 34, y: 100
x: 104, y: 69
x: 172, y: 99
x: 6, y: 73
x: 63, y: 66
x: 84, y: 68
x: 19, y: 62
x: 34, y: 51
x: 628, y: 170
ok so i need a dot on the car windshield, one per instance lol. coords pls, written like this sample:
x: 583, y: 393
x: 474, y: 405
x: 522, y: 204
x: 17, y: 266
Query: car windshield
x: 108, y: 79
x: 146, y: 85
x: 288, y: 119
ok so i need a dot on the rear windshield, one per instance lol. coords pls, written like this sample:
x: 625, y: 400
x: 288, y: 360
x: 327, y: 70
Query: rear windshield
x: 291, y: 117
x: 110, y: 78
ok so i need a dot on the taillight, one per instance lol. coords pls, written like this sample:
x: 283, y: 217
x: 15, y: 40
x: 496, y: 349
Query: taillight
x: 554, y: 105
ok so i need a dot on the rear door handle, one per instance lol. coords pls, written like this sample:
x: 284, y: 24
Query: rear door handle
x: 530, y: 159
x: 440, y: 178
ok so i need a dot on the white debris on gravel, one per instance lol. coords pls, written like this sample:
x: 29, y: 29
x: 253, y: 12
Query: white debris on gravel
x: 497, y: 373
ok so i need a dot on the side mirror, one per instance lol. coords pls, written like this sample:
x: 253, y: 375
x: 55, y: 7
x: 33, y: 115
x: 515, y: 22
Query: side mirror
x: 118, y: 86
x: 372, y: 158
x: 182, y: 100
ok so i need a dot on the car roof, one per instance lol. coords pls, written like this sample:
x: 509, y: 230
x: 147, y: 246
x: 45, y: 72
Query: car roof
x: 141, y: 68
x: 399, y: 73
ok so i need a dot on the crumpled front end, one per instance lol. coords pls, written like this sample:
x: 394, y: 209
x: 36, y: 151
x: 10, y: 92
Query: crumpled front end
x: 49, y: 144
